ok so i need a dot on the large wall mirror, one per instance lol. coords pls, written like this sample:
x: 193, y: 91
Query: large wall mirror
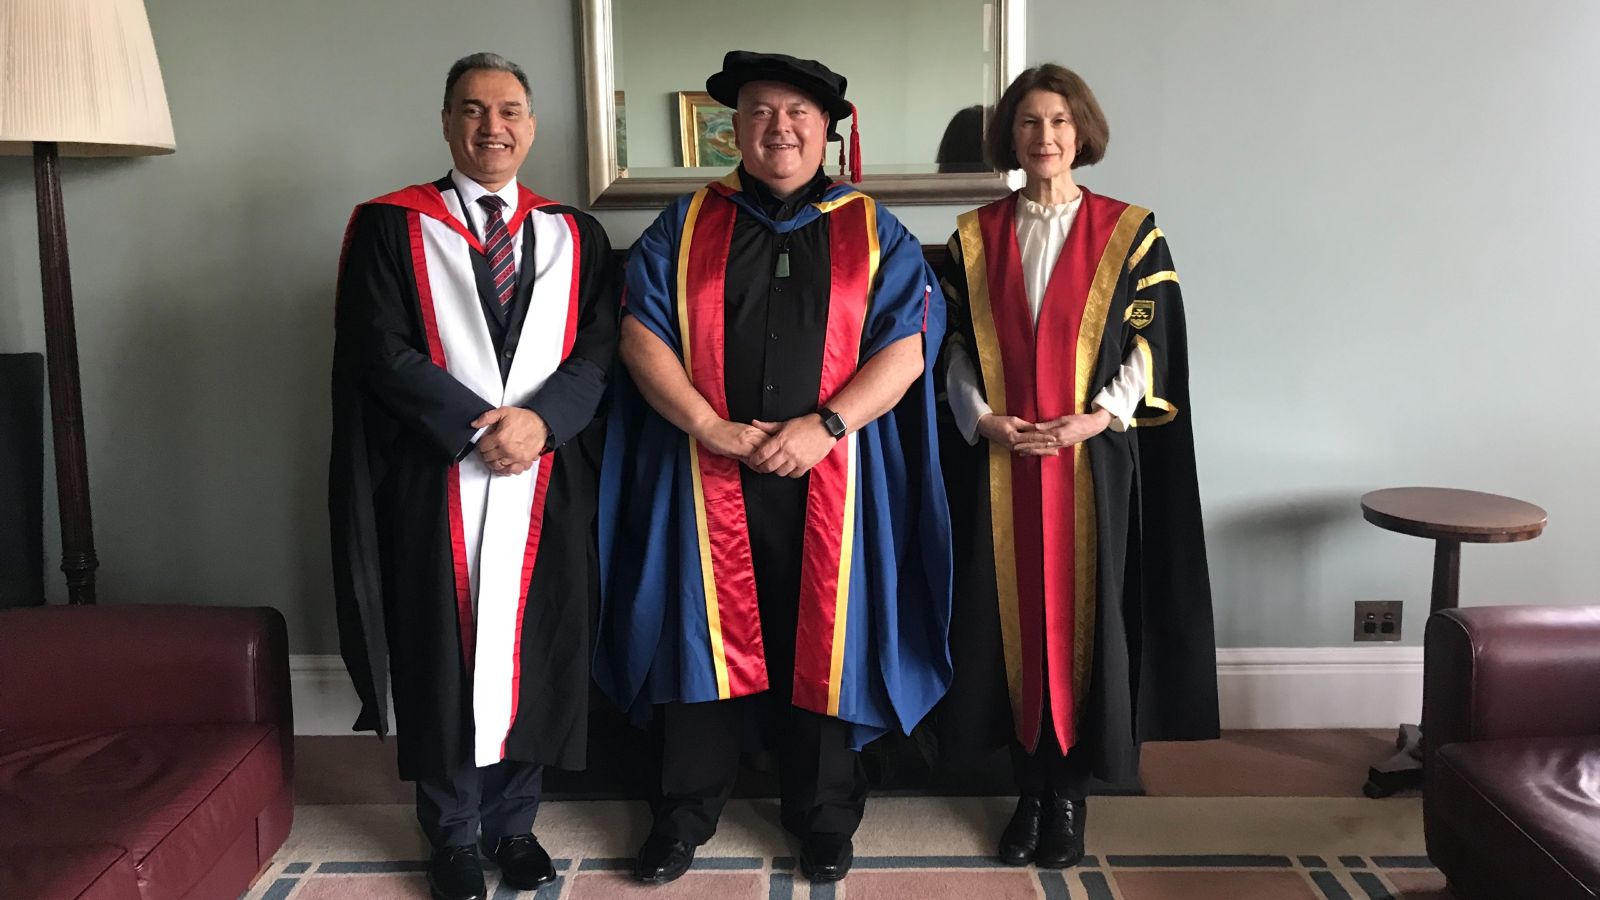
x: 923, y: 74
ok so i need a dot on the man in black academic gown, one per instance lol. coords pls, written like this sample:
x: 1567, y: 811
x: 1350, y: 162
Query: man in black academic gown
x: 475, y: 325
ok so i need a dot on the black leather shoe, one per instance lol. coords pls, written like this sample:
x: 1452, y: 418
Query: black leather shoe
x: 1021, y: 837
x: 826, y: 857
x: 662, y: 859
x: 523, y: 863
x: 455, y: 873
x: 1061, y: 833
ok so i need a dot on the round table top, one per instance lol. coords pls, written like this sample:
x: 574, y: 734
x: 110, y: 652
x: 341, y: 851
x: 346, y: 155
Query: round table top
x: 1453, y: 514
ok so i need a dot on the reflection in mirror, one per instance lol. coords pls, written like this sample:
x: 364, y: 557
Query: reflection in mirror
x: 913, y: 66
x: 922, y: 74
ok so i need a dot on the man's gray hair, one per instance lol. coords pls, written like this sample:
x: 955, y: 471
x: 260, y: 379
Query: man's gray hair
x: 492, y: 61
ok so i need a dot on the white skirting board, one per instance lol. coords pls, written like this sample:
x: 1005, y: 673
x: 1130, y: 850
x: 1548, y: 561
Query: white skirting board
x: 1319, y: 687
x: 1258, y: 687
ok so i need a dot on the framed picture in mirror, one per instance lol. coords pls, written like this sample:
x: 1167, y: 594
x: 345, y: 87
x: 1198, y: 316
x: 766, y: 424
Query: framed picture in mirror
x: 705, y: 131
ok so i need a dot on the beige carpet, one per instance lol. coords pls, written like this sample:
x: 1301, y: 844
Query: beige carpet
x: 1141, y: 848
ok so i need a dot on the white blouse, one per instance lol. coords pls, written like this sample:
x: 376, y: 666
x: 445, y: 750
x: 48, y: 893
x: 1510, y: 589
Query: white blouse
x: 1041, y: 231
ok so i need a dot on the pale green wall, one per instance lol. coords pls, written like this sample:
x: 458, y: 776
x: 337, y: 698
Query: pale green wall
x: 1382, y: 214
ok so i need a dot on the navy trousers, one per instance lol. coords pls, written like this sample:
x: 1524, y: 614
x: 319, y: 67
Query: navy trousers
x: 499, y: 800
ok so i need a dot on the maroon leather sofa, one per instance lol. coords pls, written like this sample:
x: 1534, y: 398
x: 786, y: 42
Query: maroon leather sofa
x: 145, y: 751
x: 1511, y: 731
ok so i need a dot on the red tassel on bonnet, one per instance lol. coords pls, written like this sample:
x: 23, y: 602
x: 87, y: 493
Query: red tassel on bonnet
x: 855, y: 145
x: 855, y: 148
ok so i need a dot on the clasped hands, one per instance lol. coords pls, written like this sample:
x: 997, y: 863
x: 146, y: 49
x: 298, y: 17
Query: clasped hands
x: 515, y: 439
x: 787, y: 448
x: 1046, y: 438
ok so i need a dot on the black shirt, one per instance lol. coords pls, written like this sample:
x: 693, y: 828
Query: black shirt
x: 775, y: 327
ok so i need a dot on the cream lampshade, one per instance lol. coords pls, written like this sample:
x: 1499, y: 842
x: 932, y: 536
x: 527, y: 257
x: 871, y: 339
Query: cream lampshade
x: 81, y: 73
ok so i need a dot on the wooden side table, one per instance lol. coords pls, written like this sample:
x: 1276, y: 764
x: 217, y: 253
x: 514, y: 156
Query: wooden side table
x: 1450, y: 517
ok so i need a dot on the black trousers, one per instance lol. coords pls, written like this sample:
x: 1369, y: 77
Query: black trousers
x: 501, y: 800
x: 1048, y: 770
x: 820, y: 778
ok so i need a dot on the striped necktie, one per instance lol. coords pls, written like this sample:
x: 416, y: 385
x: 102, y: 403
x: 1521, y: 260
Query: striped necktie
x: 497, y: 246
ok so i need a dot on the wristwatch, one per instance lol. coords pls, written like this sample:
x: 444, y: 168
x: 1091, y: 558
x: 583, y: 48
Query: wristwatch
x: 832, y: 422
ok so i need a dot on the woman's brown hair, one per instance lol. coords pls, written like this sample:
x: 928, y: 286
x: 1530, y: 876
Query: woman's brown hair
x: 1087, y: 119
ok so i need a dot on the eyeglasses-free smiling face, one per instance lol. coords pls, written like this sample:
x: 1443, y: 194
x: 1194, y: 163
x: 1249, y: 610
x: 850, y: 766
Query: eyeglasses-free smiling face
x: 1044, y: 136
x: 782, y: 134
x: 488, y: 126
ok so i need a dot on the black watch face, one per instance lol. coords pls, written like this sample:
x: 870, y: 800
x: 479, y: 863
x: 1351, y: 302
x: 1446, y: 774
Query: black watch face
x: 835, y: 425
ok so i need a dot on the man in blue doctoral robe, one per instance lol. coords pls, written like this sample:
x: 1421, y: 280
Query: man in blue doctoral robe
x: 774, y: 540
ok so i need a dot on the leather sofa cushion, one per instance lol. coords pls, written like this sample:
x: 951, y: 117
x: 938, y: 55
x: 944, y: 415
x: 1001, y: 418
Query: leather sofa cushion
x: 172, y: 796
x: 1533, y: 804
x: 82, y: 872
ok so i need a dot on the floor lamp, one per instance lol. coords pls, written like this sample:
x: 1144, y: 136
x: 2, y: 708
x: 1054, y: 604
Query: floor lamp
x: 77, y: 78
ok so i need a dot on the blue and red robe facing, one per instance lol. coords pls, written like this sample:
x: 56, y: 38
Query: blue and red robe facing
x: 680, y: 619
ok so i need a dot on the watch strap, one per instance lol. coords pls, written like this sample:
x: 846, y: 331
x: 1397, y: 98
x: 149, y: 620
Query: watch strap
x: 833, y: 422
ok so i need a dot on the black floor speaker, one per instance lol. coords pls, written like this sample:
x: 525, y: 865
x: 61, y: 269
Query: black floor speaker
x: 21, y: 479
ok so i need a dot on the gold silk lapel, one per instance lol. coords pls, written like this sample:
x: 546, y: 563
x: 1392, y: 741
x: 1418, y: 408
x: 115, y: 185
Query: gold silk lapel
x: 1090, y: 333
x: 1001, y: 515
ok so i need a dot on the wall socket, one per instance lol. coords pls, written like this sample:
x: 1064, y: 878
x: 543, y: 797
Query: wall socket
x: 1378, y: 620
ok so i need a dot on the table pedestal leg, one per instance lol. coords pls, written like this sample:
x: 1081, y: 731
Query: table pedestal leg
x: 1403, y: 770
x: 1446, y: 574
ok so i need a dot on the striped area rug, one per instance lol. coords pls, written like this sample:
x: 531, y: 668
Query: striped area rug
x: 925, y: 848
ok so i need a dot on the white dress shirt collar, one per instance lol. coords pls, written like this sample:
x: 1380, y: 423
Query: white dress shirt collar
x: 470, y: 191
x: 472, y: 213
x: 1040, y: 211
